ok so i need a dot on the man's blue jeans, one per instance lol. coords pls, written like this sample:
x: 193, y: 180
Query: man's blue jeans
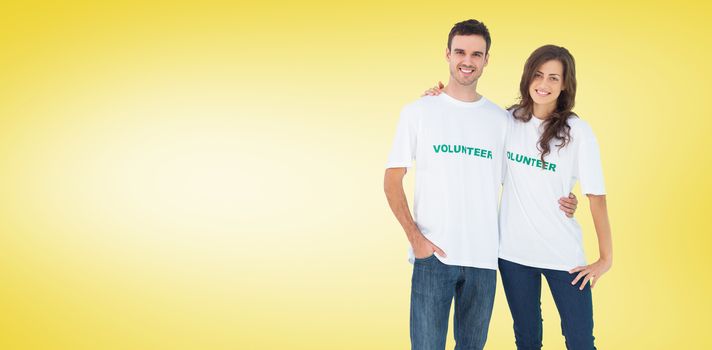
x: 434, y: 285
x: 522, y: 285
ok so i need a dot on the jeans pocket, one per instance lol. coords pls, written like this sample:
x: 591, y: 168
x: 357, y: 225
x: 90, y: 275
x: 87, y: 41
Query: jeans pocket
x: 427, y: 258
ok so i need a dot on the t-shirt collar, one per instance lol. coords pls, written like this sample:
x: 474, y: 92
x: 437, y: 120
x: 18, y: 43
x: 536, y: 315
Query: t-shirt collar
x: 453, y: 100
x: 536, y: 121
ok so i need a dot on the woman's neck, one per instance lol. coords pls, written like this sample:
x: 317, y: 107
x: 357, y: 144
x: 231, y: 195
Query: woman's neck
x: 544, y: 111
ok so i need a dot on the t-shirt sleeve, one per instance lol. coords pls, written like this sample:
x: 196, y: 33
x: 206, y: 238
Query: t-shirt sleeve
x: 503, y: 172
x: 507, y: 131
x: 590, y: 170
x: 405, y: 143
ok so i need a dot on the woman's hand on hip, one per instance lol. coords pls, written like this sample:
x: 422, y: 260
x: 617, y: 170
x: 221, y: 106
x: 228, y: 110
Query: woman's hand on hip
x: 592, y: 272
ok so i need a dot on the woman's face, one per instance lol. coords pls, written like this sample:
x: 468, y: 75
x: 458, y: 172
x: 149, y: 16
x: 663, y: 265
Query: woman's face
x: 547, y: 83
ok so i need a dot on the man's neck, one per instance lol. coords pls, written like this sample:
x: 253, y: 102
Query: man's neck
x: 461, y: 92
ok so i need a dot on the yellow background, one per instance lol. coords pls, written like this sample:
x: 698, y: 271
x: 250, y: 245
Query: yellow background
x: 208, y: 175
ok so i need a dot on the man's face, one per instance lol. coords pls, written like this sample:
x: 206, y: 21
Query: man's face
x: 467, y: 58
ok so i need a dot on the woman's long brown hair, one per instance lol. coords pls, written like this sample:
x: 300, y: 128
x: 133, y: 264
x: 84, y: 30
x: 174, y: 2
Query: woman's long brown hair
x: 556, y: 126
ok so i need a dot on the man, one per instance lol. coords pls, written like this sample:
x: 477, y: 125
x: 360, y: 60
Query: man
x: 457, y: 139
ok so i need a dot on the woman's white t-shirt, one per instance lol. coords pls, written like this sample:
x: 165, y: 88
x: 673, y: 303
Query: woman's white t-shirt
x: 533, y: 230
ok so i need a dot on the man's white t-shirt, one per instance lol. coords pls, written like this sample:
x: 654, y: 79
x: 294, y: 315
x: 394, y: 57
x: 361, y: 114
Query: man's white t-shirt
x: 457, y: 147
x: 533, y: 230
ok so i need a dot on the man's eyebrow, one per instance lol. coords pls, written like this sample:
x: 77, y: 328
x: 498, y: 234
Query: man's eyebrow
x: 463, y: 50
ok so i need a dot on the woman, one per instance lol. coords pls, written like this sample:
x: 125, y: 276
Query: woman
x: 548, y: 148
